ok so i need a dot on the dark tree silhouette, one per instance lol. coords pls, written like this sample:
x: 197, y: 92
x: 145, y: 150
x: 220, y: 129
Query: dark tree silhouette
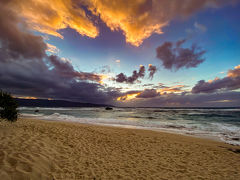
x: 8, y: 107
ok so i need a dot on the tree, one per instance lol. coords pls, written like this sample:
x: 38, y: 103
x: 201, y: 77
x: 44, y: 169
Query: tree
x: 8, y: 107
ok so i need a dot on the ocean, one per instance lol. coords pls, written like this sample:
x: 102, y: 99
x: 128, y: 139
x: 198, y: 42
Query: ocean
x: 215, y: 123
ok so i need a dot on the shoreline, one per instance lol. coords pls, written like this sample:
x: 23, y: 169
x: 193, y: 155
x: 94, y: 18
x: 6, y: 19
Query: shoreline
x: 164, y: 130
x: 39, y: 149
x: 121, y: 126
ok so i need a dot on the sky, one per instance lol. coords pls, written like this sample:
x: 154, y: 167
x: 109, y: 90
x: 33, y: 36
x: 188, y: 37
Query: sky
x: 142, y: 53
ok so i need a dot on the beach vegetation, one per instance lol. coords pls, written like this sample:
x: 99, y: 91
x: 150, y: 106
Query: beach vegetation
x: 8, y: 107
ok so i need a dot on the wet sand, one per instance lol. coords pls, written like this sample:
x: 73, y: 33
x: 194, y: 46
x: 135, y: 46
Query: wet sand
x: 36, y: 149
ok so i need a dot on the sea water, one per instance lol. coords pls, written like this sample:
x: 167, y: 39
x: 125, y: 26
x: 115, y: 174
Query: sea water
x: 218, y: 123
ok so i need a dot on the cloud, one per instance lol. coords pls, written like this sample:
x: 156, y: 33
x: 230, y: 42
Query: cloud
x: 141, y: 72
x: 51, y: 16
x: 153, y: 98
x: 147, y: 85
x: 234, y: 73
x: 105, y: 69
x: 16, y: 43
x: 172, y: 89
x: 122, y: 78
x: 148, y: 93
x: 52, y: 49
x: 36, y: 79
x: 64, y: 68
x: 178, y: 57
x: 152, y: 70
x: 200, y: 27
x: 138, y: 20
x: 196, y: 29
x: 230, y: 82
x: 26, y: 69
x: 131, y: 95
x: 224, y: 99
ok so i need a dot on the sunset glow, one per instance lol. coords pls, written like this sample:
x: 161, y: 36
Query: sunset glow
x: 68, y: 68
x: 134, y: 53
x: 128, y: 97
x: 26, y: 97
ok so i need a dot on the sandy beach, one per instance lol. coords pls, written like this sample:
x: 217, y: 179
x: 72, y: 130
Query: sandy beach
x: 36, y: 149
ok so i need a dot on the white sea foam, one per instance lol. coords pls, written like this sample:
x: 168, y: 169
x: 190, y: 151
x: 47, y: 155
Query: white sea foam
x: 207, y: 123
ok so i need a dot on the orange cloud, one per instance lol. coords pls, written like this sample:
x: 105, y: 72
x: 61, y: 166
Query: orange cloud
x: 131, y: 17
x: 138, y: 19
x: 52, y: 49
x: 128, y: 97
x: 103, y: 77
x: 51, y: 16
x: 211, y: 81
x: 234, y: 72
x: 26, y: 97
x: 221, y: 101
x: 172, y: 89
x: 152, y: 93
x: 237, y: 67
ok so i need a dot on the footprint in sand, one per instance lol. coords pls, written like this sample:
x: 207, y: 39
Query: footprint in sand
x: 26, y: 157
x: 24, y: 167
x: 11, y: 161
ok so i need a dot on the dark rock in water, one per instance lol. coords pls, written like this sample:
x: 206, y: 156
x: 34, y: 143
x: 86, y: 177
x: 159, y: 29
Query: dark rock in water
x: 36, y: 110
x: 150, y: 117
x: 109, y: 108
x: 174, y: 127
x: 159, y: 111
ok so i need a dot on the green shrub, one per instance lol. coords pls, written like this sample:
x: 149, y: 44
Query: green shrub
x: 8, y: 107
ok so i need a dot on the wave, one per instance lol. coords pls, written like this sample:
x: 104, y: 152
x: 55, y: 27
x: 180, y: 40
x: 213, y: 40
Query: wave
x: 138, y: 117
x: 210, y: 115
x: 225, y: 132
x: 31, y: 115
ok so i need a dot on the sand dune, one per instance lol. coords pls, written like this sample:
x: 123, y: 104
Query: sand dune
x: 34, y: 149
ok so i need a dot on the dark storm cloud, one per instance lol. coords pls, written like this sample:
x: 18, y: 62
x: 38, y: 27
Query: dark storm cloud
x: 152, y: 70
x: 34, y: 78
x: 230, y: 82
x: 15, y: 43
x: 174, y: 56
x: 26, y: 69
x: 122, y: 78
x: 64, y: 68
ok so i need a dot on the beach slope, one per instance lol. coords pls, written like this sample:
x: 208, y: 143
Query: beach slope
x: 35, y: 149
